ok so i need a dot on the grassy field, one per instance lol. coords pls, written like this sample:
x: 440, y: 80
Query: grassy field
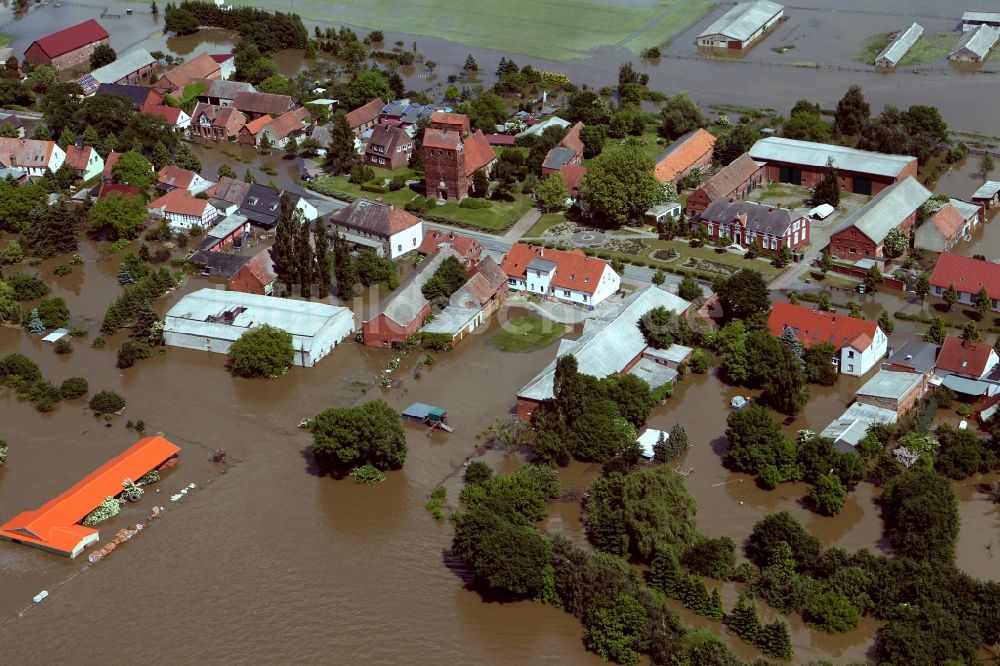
x: 528, y: 333
x: 551, y: 29
x: 648, y: 142
x: 545, y: 222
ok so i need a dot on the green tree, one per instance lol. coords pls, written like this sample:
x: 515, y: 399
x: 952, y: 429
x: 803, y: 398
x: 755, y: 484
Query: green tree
x: 852, y: 111
x: 775, y: 528
x: 971, y: 332
x: 873, y: 278
x: 828, y: 188
x: 276, y: 84
x: 226, y: 171
x: 343, y: 268
x: 323, y: 260
x: 510, y: 556
x: 601, y: 433
x: 937, y: 332
x: 552, y: 193
x: 106, y: 402
x: 568, y: 388
x: 54, y: 312
x: 962, y: 454
x: 983, y: 303
x: 186, y: 159
x: 263, y: 351
x: 950, y: 296
x: 659, y: 277
x: 828, y: 494
x: 117, y: 216
x: 161, y: 156
x: 346, y: 437
x: 134, y: 169
x: 619, y: 185
x: 593, y: 138
x: 42, y: 78
x: 825, y: 263
x: 806, y: 125
x: 480, y: 184
x: 739, y: 140
x: 819, y: 364
x: 679, y: 115
x: 744, y: 621
x: 922, y: 515
x: 305, y: 257
x: 886, y: 323
x: 615, y: 627
x: 102, y: 55
x: 447, y: 279
x: 744, y: 294
x: 285, y: 259
x: 340, y: 153
x: 986, y: 164
x: 470, y: 65
x: 180, y: 21
x: 367, y: 85
x: 689, y: 289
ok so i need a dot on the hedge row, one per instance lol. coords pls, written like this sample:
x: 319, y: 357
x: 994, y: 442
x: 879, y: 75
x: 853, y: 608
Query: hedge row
x: 330, y: 192
x: 906, y: 316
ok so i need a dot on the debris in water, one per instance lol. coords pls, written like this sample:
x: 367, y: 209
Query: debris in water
x: 41, y: 595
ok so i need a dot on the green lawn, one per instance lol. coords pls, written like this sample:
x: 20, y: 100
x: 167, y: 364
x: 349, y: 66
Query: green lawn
x: 500, y: 216
x: 545, y: 222
x: 553, y: 29
x: 528, y: 333
x: 929, y: 48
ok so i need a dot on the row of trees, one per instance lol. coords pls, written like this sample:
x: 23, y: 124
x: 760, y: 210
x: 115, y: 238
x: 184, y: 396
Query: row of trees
x: 300, y: 256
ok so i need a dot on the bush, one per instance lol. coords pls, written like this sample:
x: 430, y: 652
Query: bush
x: 44, y: 395
x: 26, y: 286
x: 374, y: 187
x: 477, y: 472
x: 63, y: 346
x: 107, y: 402
x: 476, y: 204
x: 263, y: 351
x: 73, y: 387
x: 20, y: 368
x: 130, y: 352
x: 53, y: 312
x: 397, y: 183
x: 418, y: 205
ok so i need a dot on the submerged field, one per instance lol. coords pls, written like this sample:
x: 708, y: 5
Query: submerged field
x: 551, y: 29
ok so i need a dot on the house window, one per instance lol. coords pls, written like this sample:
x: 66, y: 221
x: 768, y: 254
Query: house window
x: 566, y: 292
x: 853, y: 251
x: 399, y: 248
x: 850, y: 353
x: 414, y: 242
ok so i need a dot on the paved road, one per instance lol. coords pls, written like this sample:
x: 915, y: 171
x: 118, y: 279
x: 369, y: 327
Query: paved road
x: 819, y: 237
x: 522, y: 226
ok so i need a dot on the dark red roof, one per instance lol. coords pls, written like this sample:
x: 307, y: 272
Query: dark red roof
x: 502, y: 139
x: 964, y: 357
x: 120, y: 188
x: 221, y: 57
x: 815, y: 326
x: 72, y: 38
x: 966, y: 274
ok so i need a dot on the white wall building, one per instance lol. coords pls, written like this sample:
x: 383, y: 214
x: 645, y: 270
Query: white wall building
x: 568, y: 276
x: 212, y: 320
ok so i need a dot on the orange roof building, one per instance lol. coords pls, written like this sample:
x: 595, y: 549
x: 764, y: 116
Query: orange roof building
x: 363, y: 118
x: 450, y: 122
x: 691, y: 151
x: 54, y: 526
x: 195, y: 69
x: 966, y: 358
x: 859, y: 344
x: 570, y: 276
x: 467, y: 247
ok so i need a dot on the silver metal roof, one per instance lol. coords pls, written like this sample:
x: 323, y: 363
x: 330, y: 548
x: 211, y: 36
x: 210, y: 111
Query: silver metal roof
x: 853, y: 424
x: 744, y: 19
x: 607, y: 345
x: 674, y: 353
x: 207, y: 313
x: 978, y: 41
x: 987, y: 190
x: 807, y: 153
x: 451, y: 320
x: 227, y: 226
x: 648, y: 440
x: 653, y: 373
x: 991, y: 17
x: 890, y: 385
x: 888, y: 209
x: 130, y: 62
x: 896, y: 49
x: 543, y: 265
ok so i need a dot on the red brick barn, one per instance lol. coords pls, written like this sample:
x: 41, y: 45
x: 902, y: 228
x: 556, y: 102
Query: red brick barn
x: 744, y: 223
x: 862, y: 235
x: 67, y: 48
x: 735, y: 181
x: 692, y: 151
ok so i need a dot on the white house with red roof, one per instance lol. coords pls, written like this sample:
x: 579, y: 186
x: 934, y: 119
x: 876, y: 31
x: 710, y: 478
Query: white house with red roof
x: 32, y: 155
x: 569, y: 276
x: 85, y: 161
x: 860, y: 344
x: 965, y: 358
x: 175, y: 178
x: 183, y: 211
x: 968, y: 276
x: 387, y: 229
x: 174, y: 117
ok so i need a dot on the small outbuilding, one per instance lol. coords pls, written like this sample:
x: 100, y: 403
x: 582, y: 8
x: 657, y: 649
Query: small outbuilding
x: 899, y: 47
x: 742, y: 25
x: 975, y: 44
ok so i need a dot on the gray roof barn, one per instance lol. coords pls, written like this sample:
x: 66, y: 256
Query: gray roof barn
x: 888, y: 209
x: 808, y: 153
x: 408, y: 301
x: 743, y: 20
x: 971, y: 19
x: 608, y: 344
x: 917, y: 355
x: 213, y: 319
x: 760, y: 219
x: 126, y: 64
x: 898, y: 47
x: 975, y: 44
x: 890, y: 385
x: 852, y: 426
x: 987, y: 190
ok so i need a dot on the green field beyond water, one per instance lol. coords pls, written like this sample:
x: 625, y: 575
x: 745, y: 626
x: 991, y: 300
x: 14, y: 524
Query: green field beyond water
x: 550, y: 29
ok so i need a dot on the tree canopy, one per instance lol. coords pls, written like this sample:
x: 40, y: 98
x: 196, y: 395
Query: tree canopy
x: 619, y: 185
x: 263, y: 351
x: 347, y: 437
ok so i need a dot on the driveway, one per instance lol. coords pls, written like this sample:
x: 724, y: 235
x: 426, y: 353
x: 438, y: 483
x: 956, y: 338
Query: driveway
x: 522, y: 226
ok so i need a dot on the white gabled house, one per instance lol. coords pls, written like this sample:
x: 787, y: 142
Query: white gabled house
x: 569, y: 276
x: 183, y: 211
x: 31, y: 155
x: 860, y: 345
x: 389, y: 230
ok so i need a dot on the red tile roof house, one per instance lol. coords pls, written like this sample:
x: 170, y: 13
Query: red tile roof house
x: 569, y: 151
x: 250, y: 132
x: 33, y: 155
x: 692, y: 151
x: 965, y: 358
x: 804, y: 163
x: 85, y: 161
x: 286, y: 126
x: 175, y: 118
x: 194, y: 70
x: 392, y: 231
x: 573, y: 174
x: 450, y: 161
x: 55, y: 526
x: 745, y: 223
x: 967, y: 275
x: 363, y: 118
x: 406, y: 309
x: 67, y: 48
x: 860, y: 344
x: 472, y: 304
x: 568, y: 276
x: 862, y: 234
x: 735, y: 181
x: 257, y: 104
x: 257, y: 276
x: 388, y: 148
x: 109, y: 164
x: 175, y: 178
x: 228, y: 194
x: 942, y: 231
x: 216, y: 123
x: 467, y: 248
x: 183, y: 211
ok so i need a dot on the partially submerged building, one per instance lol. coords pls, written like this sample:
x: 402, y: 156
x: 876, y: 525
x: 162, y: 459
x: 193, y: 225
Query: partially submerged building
x: 473, y: 304
x: 889, y: 389
x: 975, y: 44
x: 129, y: 68
x: 69, y: 47
x: 988, y: 194
x: 212, y: 320
x: 742, y: 25
x: 55, y: 526
x: 863, y: 234
x: 852, y: 426
x: 613, y: 344
x: 859, y: 344
x: 805, y: 163
x: 972, y: 20
x: 967, y: 275
x: 899, y: 47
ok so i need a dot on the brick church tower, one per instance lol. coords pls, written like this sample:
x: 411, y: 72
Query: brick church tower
x: 444, y: 165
